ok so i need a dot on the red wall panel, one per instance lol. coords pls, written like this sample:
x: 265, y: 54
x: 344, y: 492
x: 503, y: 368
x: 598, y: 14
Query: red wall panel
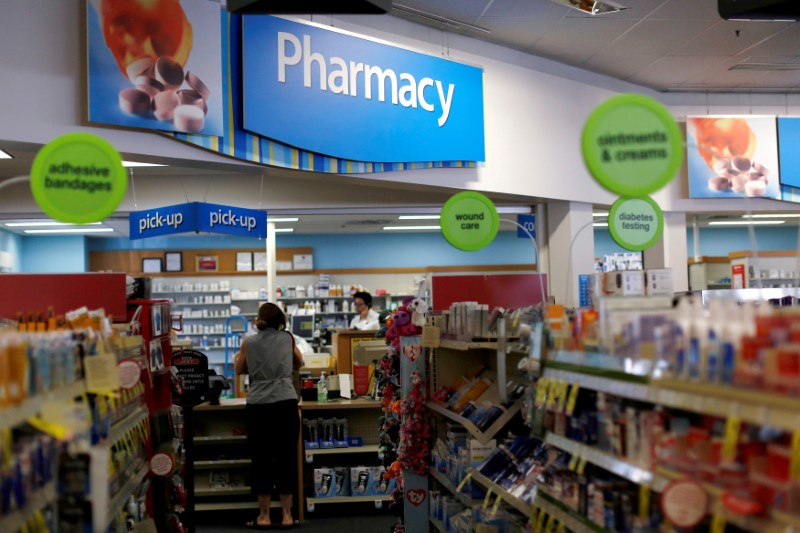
x: 497, y: 290
x: 36, y: 292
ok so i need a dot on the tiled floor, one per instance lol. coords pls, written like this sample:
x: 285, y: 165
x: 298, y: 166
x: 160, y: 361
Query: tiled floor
x: 233, y: 522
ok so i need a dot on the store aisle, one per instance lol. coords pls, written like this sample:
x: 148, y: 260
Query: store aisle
x: 326, y: 524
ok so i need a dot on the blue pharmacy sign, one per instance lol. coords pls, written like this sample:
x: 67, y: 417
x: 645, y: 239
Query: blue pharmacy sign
x: 198, y: 216
x: 345, y: 96
x: 179, y: 218
x: 529, y: 223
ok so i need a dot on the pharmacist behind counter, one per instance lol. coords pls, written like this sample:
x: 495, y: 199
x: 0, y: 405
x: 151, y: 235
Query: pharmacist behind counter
x: 367, y: 318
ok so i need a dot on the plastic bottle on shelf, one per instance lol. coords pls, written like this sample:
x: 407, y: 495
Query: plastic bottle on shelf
x: 317, y: 307
x: 345, y: 307
x: 322, y: 388
x: 310, y: 291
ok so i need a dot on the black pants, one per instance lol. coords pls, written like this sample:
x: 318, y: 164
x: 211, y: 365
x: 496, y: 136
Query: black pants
x: 272, y: 432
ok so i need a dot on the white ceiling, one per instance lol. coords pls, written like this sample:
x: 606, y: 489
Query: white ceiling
x: 667, y: 45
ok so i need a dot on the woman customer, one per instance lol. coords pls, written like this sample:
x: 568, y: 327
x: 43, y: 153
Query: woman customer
x: 366, y: 317
x: 271, y: 413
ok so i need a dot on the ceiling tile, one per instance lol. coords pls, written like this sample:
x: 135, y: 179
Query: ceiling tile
x: 621, y: 66
x: 580, y: 37
x: 785, y: 42
x: 656, y: 37
x: 447, y: 8
x: 540, y: 9
x: 721, y: 38
x: 724, y: 78
x: 773, y: 79
x: 515, y: 33
x: 671, y: 71
x: 687, y: 10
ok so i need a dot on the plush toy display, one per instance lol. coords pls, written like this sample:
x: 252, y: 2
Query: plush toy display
x: 418, y: 308
x: 415, y: 431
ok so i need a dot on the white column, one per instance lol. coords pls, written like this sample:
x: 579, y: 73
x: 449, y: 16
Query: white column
x: 570, y: 248
x: 671, y: 251
x: 542, y: 243
x: 271, y: 261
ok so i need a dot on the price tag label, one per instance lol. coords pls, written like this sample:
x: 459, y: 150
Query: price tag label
x: 794, y: 468
x: 581, y: 466
x: 486, y: 500
x: 540, y: 522
x: 431, y: 336
x: 309, y: 506
x: 541, y: 391
x: 552, y: 395
x: 573, y: 399
x: 534, y: 515
x: 548, y: 527
x: 573, y: 463
x: 378, y: 504
x: 644, y: 501
x: 731, y: 439
x: 718, y: 523
x: 464, y: 482
x: 309, y: 458
x: 562, y: 396
x: 496, y: 505
x: 561, y: 527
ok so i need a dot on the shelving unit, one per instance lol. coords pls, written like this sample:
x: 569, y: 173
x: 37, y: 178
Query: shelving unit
x: 13, y: 416
x: 223, y: 463
x: 16, y: 519
x: 448, y: 485
x: 311, y: 502
x: 481, y: 436
x: 369, y: 448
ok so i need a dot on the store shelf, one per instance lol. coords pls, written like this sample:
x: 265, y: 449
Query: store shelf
x: 482, y: 436
x: 447, y: 484
x: 466, y: 345
x: 228, y: 439
x: 190, y: 292
x: 234, y: 300
x: 225, y: 506
x: 16, y: 519
x: 570, y: 518
x: 606, y: 461
x: 310, y: 502
x: 206, y: 317
x: 201, y: 334
x: 13, y: 416
x: 227, y: 491
x: 222, y: 463
x: 120, y: 499
x: 185, y: 304
x: 120, y: 428
x: 438, y: 525
x: 367, y: 448
x: 358, y: 403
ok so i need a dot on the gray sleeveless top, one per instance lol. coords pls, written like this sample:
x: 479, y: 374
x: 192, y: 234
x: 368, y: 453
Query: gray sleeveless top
x: 269, y: 363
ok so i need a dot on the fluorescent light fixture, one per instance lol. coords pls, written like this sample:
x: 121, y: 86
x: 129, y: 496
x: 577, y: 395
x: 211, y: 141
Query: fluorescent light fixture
x: 436, y: 19
x: 766, y: 66
x: 592, y: 7
x: 418, y: 217
x: 284, y: 230
x: 40, y: 224
x: 131, y: 164
x: 600, y: 214
x: 5, y: 155
x: 282, y: 219
x: 773, y: 215
x: 746, y: 222
x: 411, y: 228
x: 72, y: 230
x: 600, y: 224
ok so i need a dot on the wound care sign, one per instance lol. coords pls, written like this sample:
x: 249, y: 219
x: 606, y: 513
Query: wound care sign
x: 469, y: 221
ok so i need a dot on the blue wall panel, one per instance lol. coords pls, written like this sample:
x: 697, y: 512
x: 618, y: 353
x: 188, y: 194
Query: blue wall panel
x: 57, y: 254
x: 12, y: 243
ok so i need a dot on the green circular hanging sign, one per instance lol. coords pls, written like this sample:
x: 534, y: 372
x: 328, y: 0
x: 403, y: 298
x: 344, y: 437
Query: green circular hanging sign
x: 78, y: 178
x: 469, y: 221
x: 632, y: 145
x: 635, y: 223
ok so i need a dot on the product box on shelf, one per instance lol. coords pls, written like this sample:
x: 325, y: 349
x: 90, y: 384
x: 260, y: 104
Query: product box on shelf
x: 658, y: 281
x: 369, y: 481
x: 331, y: 482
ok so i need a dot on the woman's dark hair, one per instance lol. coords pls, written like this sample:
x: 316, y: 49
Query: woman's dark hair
x: 367, y: 297
x: 270, y: 316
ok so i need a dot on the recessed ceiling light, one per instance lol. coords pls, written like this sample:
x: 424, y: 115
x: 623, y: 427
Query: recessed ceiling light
x: 40, y: 224
x: 418, y: 217
x: 766, y: 66
x: 5, y: 155
x: 592, y: 7
x: 773, y: 215
x: 282, y: 219
x: 600, y: 224
x: 401, y: 228
x: 600, y: 214
x: 72, y: 230
x: 746, y: 222
x: 284, y: 230
x: 130, y: 164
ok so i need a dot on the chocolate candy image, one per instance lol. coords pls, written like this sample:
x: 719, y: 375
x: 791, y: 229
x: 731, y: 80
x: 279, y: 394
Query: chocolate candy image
x: 198, y: 85
x: 192, y: 118
x: 755, y: 188
x: 164, y: 104
x: 140, y: 67
x: 134, y: 102
x: 169, y: 73
x: 719, y: 183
